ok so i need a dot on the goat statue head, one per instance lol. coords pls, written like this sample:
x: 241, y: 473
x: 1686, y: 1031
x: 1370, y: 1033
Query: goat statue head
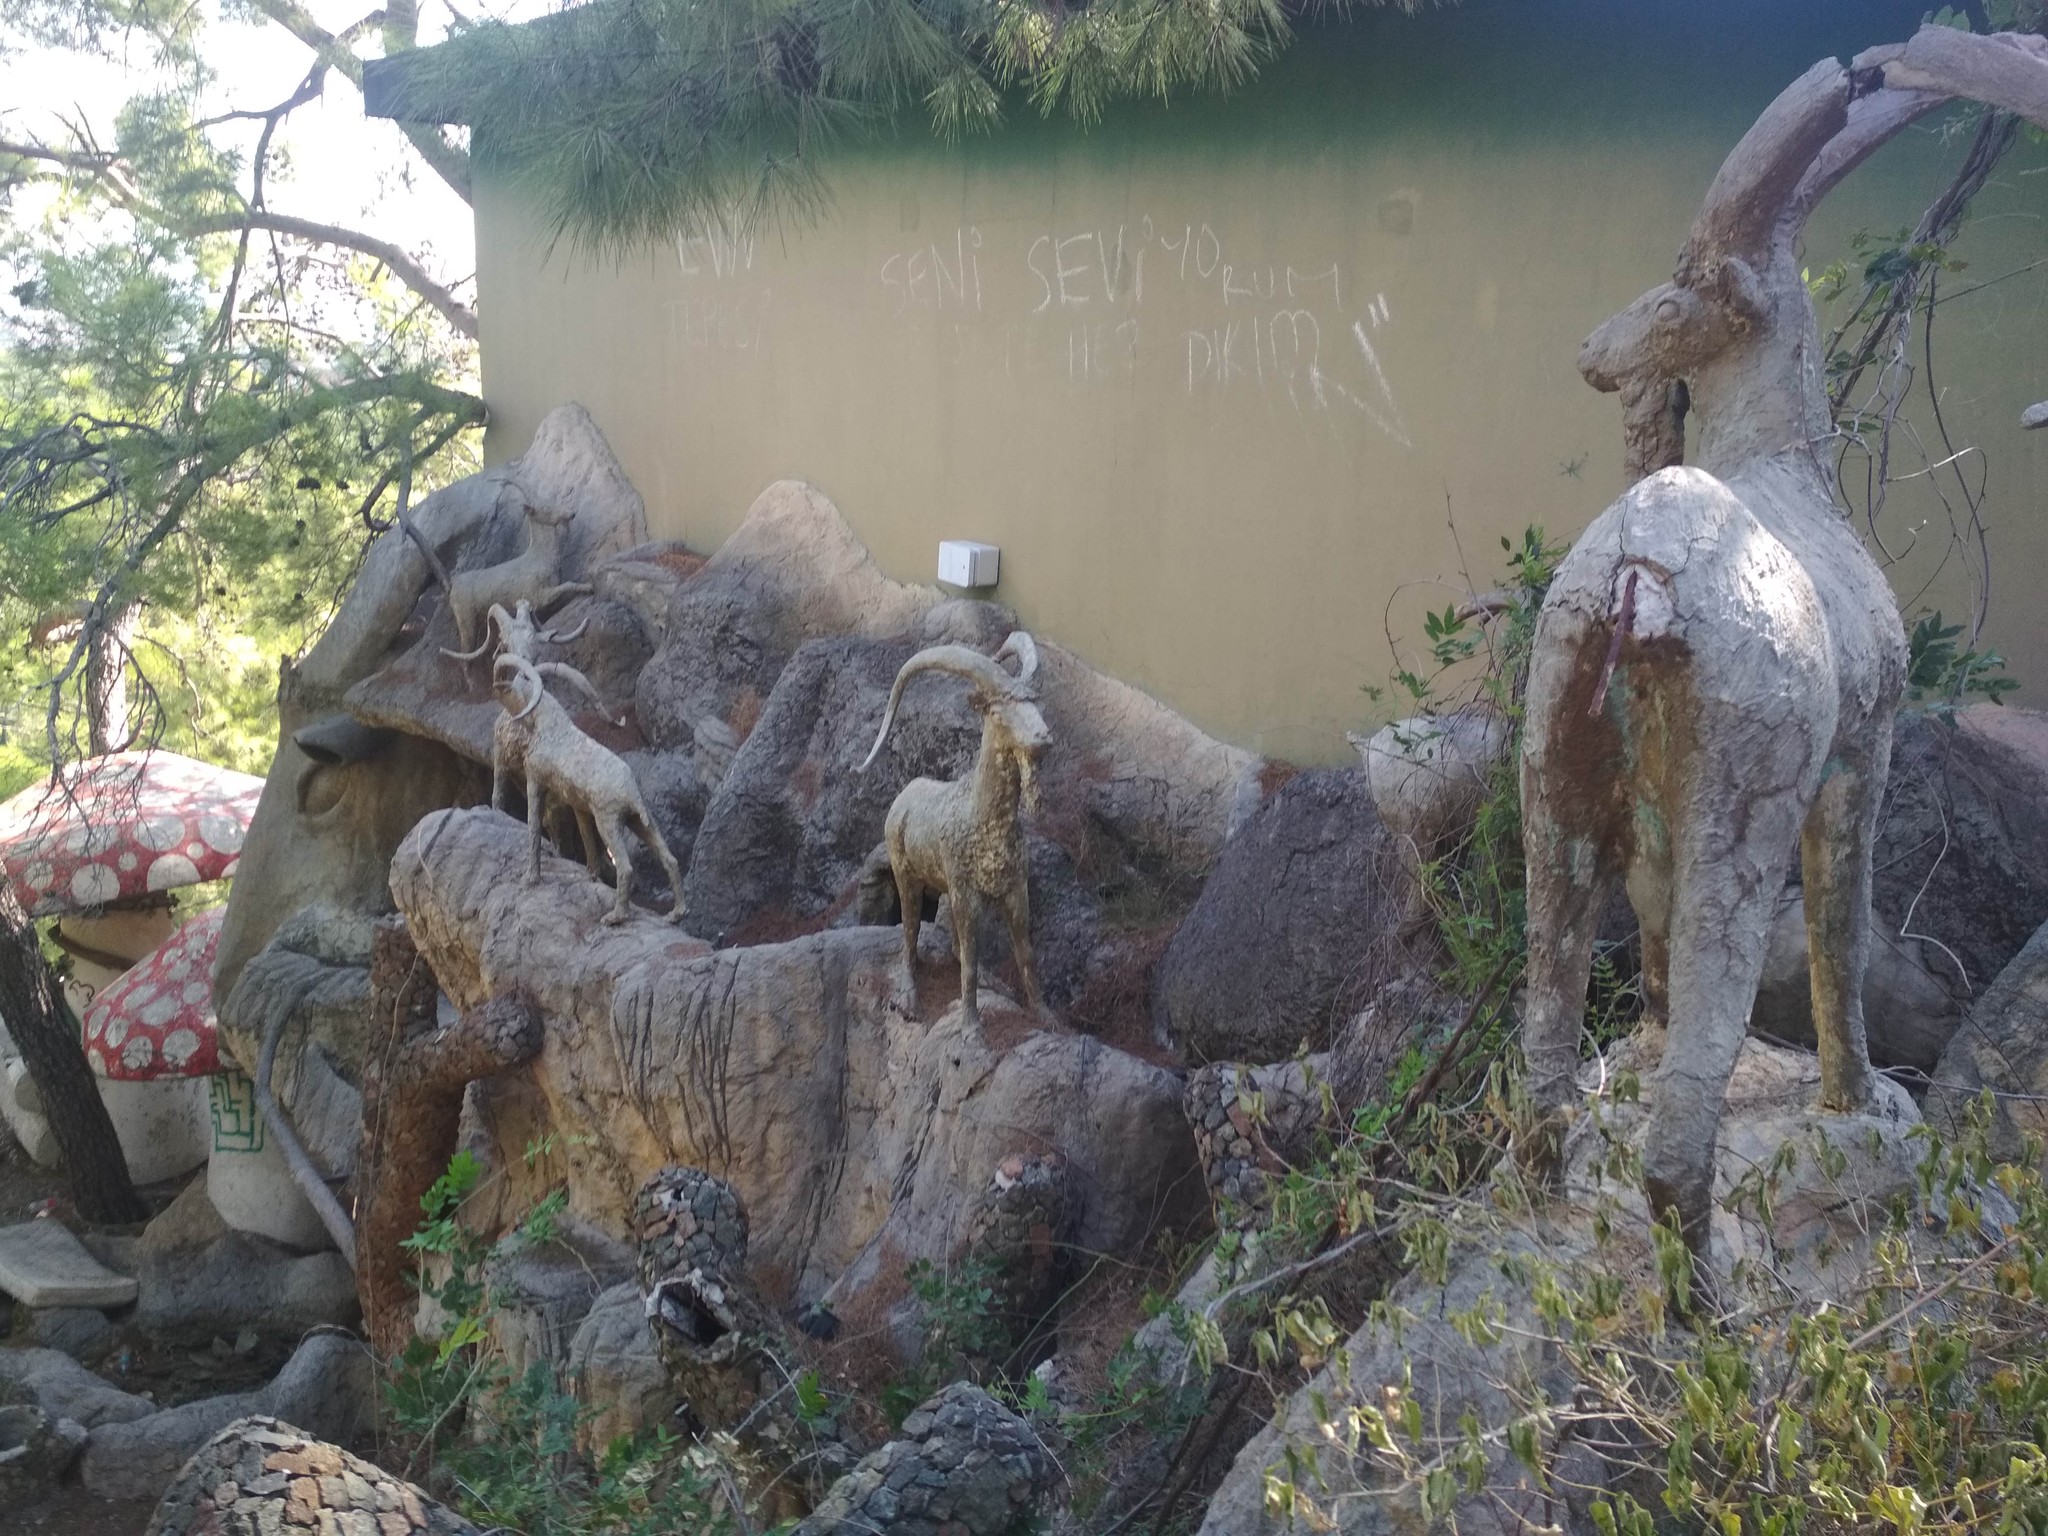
x: 1007, y: 702
x: 1732, y: 333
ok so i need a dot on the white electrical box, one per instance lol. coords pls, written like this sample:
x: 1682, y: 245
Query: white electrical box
x: 964, y: 563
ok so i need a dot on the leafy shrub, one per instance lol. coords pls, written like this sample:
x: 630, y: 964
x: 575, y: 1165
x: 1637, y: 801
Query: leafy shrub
x: 505, y: 1445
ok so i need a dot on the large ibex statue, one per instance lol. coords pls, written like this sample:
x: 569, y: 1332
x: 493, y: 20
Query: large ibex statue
x: 962, y: 838
x: 1718, y: 660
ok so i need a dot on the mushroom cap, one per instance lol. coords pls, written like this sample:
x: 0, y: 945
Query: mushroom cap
x: 124, y: 825
x: 157, y: 1019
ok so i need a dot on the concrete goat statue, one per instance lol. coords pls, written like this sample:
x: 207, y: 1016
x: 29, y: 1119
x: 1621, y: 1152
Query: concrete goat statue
x: 962, y: 838
x: 1718, y: 660
x: 536, y: 737
x: 530, y: 577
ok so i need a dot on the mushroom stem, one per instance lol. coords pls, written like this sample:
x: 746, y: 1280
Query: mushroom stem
x: 304, y: 1174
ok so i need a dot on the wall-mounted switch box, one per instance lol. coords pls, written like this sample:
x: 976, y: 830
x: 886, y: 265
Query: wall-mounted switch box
x: 964, y: 563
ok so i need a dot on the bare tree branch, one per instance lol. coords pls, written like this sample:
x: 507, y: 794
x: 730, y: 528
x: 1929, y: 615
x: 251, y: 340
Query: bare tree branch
x: 450, y: 162
x: 109, y: 171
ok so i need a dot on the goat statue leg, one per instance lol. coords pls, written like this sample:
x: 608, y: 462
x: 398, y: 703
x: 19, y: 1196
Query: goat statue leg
x: 910, y: 897
x: 651, y: 835
x: 1724, y: 894
x: 612, y: 825
x: 1017, y: 918
x: 967, y: 940
x: 1570, y: 875
x: 536, y: 806
x: 1835, y: 851
x: 593, y: 850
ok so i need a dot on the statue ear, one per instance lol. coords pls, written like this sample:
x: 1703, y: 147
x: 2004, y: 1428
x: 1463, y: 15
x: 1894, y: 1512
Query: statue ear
x: 1735, y: 286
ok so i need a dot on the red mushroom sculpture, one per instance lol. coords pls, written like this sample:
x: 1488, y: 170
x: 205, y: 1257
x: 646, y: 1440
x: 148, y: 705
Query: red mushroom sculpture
x: 101, y: 846
x: 128, y: 826
x: 156, y: 1020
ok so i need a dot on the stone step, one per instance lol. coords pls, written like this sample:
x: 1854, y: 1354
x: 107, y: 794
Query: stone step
x: 43, y: 1265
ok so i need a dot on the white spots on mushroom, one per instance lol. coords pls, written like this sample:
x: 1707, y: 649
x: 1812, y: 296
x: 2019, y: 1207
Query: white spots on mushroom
x: 40, y: 876
x: 160, y: 834
x: 159, y: 1011
x: 223, y: 834
x: 115, y: 1032
x: 171, y: 871
x: 180, y: 1046
x: 94, y: 885
x: 127, y: 863
x: 137, y: 1053
x: 198, y: 993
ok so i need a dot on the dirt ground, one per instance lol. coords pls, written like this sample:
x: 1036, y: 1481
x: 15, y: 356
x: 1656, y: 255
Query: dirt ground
x: 74, y: 1512
x: 170, y: 1373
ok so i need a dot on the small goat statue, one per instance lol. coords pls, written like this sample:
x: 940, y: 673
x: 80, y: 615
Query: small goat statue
x: 536, y: 737
x: 962, y: 838
x: 528, y: 577
x: 519, y: 635
x: 1718, y: 660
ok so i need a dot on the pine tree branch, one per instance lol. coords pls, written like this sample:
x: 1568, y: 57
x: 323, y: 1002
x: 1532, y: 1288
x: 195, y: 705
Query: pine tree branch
x: 449, y: 161
x: 120, y: 184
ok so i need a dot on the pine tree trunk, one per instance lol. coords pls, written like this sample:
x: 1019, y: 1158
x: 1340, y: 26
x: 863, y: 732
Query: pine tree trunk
x: 34, y: 1011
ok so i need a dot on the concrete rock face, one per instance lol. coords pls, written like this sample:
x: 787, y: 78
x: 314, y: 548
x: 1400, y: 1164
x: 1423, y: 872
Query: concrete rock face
x: 329, y: 1385
x: 792, y: 571
x: 1962, y: 844
x: 1280, y: 946
x: 198, y: 1275
x: 794, y: 817
x: 2003, y: 1046
x: 614, y: 1369
x: 786, y: 1068
x: 260, y: 1476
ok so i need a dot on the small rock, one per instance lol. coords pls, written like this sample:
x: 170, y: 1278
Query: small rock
x: 64, y: 1389
x: 80, y: 1332
x: 615, y: 1369
x: 198, y: 1274
x: 42, y: 1264
x: 35, y: 1451
x: 329, y: 1386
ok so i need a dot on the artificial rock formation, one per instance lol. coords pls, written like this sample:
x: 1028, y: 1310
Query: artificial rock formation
x: 1829, y: 1200
x: 1292, y: 932
x: 360, y: 759
x: 536, y: 738
x: 1718, y: 659
x: 961, y: 839
x: 859, y: 1138
x: 413, y: 1085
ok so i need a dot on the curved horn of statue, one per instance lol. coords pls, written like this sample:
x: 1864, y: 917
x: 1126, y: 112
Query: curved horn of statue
x: 1718, y: 661
x: 963, y: 838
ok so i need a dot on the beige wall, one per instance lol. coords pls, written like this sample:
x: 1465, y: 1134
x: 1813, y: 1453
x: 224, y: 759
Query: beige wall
x: 1238, y: 384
